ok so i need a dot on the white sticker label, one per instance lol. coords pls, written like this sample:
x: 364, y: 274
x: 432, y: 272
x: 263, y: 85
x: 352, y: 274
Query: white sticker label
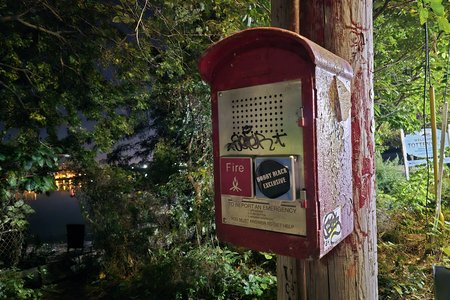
x: 332, y: 228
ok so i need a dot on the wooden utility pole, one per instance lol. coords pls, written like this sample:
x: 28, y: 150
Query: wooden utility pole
x: 349, y: 271
x: 286, y: 14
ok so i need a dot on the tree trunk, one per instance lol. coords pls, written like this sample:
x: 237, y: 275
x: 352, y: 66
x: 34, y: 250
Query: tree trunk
x: 286, y: 14
x: 349, y: 272
x: 345, y: 28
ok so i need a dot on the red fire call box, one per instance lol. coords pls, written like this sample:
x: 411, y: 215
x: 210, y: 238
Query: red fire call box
x: 282, y: 142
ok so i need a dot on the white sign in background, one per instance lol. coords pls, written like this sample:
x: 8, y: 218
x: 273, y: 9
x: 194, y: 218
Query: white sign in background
x: 419, y: 144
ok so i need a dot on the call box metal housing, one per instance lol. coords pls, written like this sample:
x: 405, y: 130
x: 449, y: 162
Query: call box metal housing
x: 282, y: 142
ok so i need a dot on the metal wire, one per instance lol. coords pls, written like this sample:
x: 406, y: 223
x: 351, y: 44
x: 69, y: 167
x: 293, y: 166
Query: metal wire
x: 424, y: 113
x: 11, y: 241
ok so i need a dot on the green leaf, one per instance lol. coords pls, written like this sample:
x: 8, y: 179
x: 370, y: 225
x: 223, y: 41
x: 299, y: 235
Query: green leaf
x: 27, y: 165
x: 446, y: 251
x: 443, y: 24
x: 12, y: 180
x: 437, y: 7
x: 398, y: 289
x: 40, y: 161
x: 267, y: 256
x: 5, y: 193
x: 423, y: 15
x: 19, y: 203
x: 48, y: 184
x: 29, y: 185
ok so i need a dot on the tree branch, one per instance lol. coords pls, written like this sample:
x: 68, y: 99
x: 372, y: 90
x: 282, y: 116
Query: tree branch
x: 139, y: 22
x: 404, y: 57
x: 56, y: 34
x: 14, y: 93
x: 14, y: 68
x: 63, y: 65
x: 11, y: 18
x: 26, y: 72
x: 52, y: 10
x: 379, y: 11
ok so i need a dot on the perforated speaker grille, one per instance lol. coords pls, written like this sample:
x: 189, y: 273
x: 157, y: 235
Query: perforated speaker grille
x: 263, y: 113
x: 261, y: 120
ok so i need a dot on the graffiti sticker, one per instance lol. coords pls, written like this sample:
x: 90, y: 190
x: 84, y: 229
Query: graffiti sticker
x: 332, y: 229
x: 250, y: 140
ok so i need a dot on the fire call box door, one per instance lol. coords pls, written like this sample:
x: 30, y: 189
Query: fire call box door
x: 261, y: 149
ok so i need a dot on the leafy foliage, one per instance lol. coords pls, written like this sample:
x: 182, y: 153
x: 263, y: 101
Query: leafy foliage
x: 121, y: 69
x: 394, y: 191
x: 433, y: 9
x: 204, y: 273
x: 170, y: 201
x: 12, y: 286
x: 65, y: 86
x: 29, y: 170
x: 407, y: 247
x: 64, y: 90
x: 165, y: 250
x: 399, y: 42
x: 116, y: 217
x: 172, y: 36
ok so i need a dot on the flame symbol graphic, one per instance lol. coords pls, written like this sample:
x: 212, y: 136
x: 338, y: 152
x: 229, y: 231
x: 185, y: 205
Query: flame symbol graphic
x: 235, y: 187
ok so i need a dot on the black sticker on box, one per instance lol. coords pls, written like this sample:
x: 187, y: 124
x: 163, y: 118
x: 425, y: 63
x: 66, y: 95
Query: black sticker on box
x: 273, y: 178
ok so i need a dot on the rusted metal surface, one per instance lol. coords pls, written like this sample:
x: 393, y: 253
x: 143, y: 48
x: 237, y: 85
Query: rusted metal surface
x: 334, y: 154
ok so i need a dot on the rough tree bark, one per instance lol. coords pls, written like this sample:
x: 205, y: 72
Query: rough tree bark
x: 349, y: 272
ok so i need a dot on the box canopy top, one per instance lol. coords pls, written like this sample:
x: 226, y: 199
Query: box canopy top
x: 262, y: 37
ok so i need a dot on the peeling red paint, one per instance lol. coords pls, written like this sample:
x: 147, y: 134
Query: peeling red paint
x: 358, y: 228
x: 351, y: 271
